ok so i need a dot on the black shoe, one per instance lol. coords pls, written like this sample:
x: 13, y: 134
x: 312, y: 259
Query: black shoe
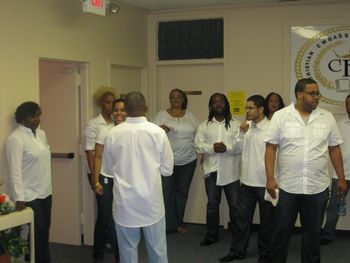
x: 325, y: 242
x: 207, y: 242
x: 230, y: 257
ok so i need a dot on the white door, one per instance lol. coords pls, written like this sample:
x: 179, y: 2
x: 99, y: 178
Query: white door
x: 207, y: 79
x: 59, y: 101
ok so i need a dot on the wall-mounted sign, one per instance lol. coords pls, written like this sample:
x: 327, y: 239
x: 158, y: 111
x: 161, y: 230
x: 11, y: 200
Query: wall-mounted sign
x: 322, y: 53
x: 237, y: 101
x: 97, y: 7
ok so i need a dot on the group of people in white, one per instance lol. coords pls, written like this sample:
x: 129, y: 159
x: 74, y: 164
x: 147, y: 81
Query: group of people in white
x: 141, y: 172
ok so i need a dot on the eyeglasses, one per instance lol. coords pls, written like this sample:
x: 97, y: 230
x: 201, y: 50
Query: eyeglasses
x: 250, y: 108
x: 313, y: 93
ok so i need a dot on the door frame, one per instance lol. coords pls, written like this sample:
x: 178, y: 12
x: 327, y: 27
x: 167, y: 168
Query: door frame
x: 86, y: 196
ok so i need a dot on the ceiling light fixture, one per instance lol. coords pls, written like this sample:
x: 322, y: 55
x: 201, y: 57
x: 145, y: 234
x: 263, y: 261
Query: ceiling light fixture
x: 112, y: 6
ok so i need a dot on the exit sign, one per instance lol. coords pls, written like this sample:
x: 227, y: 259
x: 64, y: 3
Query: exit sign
x: 97, y: 7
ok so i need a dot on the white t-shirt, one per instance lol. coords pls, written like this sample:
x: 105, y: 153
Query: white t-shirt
x: 302, y: 155
x: 29, y: 160
x: 91, y: 132
x: 181, y: 135
x: 137, y: 153
x: 227, y: 164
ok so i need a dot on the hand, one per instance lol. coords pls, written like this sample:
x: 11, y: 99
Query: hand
x: 342, y: 187
x: 244, y: 126
x: 271, y: 187
x: 20, y: 205
x: 165, y: 128
x: 219, y: 147
x: 98, y: 189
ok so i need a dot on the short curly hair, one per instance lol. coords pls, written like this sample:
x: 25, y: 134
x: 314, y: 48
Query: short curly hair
x: 101, y: 92
x: 28, y: 108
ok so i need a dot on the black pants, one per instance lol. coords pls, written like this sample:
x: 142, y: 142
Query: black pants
x: 42, y: 221
x: 104, y: 226
x: 213, y: 206
x: 175, y: 192
x: 244, y: 211
x: 311, y: 209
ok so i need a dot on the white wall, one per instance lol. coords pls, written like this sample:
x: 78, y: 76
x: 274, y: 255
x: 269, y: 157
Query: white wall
x: 58, y: 29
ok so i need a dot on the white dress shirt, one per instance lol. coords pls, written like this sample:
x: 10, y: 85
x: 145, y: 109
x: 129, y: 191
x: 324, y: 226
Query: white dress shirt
x: 302, y: 155
x: 137, y: 153
x: 227, y: 164
x: 29, y: 160
x: 91, y: 131
x: 181, y: 135
x: 253, y: 154
x: 344, y: 128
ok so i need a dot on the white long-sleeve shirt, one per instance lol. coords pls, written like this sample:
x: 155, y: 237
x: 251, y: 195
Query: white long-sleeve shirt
x: 29, y: 161
x: 227, y: 164
x: 344, y: 128
x: 137, y: 153
x: 181, y: 135
x: 302, y: 155
x: 253, y: 154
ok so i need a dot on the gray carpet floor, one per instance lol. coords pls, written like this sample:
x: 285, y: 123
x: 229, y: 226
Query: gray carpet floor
x: 184, y: 248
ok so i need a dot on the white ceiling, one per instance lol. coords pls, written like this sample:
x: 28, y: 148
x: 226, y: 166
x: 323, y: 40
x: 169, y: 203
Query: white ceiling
x: 177, y: 4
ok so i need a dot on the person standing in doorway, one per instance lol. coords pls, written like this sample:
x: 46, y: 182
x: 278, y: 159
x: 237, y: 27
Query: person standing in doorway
x: 137, y: 152
x: 104, y: 98
x: 180, y: 126
x: 253, y: 182
x: 327, y: 234
x: 300, y: 140
x: 29, y: 160
x: 221, y: 163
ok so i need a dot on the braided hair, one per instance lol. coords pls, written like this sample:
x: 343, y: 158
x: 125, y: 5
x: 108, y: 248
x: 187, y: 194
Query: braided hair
x: 227, y: 112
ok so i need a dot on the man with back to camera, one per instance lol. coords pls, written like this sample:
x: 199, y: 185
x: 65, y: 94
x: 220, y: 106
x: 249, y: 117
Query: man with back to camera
x: 221, y: 165
x: 137, y: 153
x: 303, y: 137
x: 253, y: 182
x: 327, y: 234
x: 104, y: 224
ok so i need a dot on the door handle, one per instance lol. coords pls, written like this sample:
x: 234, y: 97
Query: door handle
x: 63, y: 155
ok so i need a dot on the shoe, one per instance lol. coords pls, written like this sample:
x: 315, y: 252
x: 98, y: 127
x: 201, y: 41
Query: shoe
x: 230, y: 257
x: 181, y: 230
x: 207, y: 242
x: 325, y: 242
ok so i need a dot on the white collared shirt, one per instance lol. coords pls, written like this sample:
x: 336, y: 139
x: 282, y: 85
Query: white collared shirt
x: 227, y: 164
x: 137, y: 153
x: 253, y: 154
x: 302, y: 155
x: 344, y: 128
x: 29, y: 161
x: 181, y: 135
x: 91, y: 131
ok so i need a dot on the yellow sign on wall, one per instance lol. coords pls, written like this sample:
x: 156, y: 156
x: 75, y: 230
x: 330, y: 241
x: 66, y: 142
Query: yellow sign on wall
x: 237, y: 101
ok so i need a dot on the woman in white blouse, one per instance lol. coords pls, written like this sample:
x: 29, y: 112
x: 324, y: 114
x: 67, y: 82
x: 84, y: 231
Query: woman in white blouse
x: 29, y: 161
x: 180, y: 126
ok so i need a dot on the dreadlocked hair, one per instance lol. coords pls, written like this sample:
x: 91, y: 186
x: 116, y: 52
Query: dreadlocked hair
x: 227, y: 112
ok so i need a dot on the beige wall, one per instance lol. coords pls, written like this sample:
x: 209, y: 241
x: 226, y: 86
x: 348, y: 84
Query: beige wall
x: 256, y: 41
x: 58, y: 29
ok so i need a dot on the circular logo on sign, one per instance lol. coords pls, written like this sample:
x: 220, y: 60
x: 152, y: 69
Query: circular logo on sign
x: 326, y: 58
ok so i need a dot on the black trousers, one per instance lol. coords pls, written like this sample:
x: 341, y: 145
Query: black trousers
x: 311, y: 209
x: 104, y: 225
x: 248, y: 198
x: 175, y: 193
x: 42, y: 222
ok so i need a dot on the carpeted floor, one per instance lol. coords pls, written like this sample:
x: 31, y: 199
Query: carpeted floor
x: 184, y: 248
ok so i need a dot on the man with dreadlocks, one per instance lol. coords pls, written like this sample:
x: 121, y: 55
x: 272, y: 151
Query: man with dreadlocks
x: 221, y: 165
